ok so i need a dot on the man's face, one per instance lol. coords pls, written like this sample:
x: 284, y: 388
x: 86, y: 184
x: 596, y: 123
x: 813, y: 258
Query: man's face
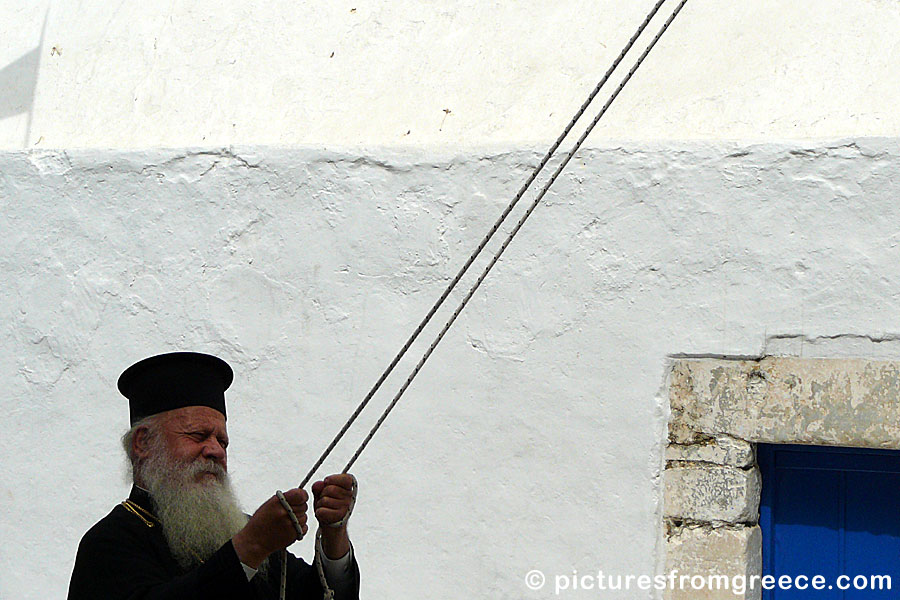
x: 196, y: 433
x: 183, y: 468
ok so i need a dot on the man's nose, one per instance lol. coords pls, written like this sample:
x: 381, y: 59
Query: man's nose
x: 212, y: 449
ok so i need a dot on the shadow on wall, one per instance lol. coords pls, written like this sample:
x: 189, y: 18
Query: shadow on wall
x: 18, y: 81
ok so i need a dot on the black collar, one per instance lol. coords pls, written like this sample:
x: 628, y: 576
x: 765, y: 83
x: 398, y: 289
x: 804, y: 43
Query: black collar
x: 142, y: 498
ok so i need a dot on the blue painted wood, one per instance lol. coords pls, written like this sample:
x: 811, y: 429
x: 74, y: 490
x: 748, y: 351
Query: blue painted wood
x: 830, y: 512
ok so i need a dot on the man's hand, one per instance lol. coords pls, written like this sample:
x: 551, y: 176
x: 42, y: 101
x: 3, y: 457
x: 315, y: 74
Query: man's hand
x: 270, y: 528
x: 333, y: 496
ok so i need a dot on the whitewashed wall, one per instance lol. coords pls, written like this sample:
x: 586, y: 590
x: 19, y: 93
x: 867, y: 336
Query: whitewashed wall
x: 180, y: 73
x: 532, y: 440
x: 345, y: 196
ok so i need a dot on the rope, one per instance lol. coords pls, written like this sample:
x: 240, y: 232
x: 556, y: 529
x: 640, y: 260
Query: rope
x: 328, y: 593
x: 296, y: 523
x: 494, y: 228
x: 510, y: 237
x: 290, y: 511
x: 494, y: 259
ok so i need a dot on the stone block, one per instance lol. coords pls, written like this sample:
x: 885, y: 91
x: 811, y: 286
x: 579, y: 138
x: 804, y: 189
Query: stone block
x: 832, y: 402
x: 726, y: 557
x: 720, y: 450
x: 711, y: 493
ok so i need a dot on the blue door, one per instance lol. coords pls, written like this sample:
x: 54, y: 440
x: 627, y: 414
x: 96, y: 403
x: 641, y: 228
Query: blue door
x: 831, y: 512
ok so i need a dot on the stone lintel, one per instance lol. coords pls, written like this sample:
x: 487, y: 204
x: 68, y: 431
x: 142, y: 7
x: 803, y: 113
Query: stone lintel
x: 834, y: 402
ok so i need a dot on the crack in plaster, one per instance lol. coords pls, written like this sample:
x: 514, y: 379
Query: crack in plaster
x: 769, y: 346
x: 884, y: 345
x: 217, y: 154
x: 875, y: 339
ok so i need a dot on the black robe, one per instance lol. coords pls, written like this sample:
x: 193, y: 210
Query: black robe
x: 121, y: 557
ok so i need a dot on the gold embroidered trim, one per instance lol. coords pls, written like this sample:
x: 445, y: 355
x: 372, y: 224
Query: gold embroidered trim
x: 141, y: 513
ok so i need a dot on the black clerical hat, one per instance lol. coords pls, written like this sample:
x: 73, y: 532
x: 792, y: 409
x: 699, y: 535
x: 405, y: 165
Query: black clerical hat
x: 168, y: 381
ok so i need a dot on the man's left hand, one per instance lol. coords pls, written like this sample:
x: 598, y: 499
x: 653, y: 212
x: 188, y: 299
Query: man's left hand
x: 333, y: 496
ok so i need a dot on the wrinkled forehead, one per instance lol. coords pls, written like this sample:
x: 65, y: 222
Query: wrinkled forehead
x: 194, y: 417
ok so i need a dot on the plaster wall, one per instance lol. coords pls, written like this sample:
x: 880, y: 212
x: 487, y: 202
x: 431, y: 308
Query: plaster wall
x: 534, y: 437
x: 204, y: 73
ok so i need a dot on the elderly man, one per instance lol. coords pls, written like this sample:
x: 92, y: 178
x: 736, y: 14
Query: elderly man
x: 181, y: 534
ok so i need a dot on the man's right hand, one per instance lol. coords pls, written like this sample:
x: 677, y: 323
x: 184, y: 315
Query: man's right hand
x: 270, y: 528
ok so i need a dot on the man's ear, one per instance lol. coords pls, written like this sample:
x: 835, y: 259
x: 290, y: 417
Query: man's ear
x: 140, y: 443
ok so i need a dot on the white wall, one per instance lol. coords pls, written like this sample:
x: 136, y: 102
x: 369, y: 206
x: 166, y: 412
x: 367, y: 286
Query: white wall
x: 173, y: 74
x: 307, y: 249
x: 534, y: 437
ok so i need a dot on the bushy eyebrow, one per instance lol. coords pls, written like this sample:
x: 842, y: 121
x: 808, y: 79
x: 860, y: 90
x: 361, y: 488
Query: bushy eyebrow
x: 188, y: 424
x: 206, y: 430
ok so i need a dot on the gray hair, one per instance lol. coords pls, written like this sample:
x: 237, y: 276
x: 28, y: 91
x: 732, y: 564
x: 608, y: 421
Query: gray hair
x: 152, y: 425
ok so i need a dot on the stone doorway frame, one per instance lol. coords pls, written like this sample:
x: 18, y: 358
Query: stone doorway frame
x: 720, y: 409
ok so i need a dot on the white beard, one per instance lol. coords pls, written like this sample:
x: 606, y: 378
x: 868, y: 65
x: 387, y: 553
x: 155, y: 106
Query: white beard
x: 197, y: 517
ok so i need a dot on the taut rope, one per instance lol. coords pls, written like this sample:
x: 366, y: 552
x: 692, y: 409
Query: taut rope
x: 518, y: 226
x: 490, y: 234
x: 496, y: 257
